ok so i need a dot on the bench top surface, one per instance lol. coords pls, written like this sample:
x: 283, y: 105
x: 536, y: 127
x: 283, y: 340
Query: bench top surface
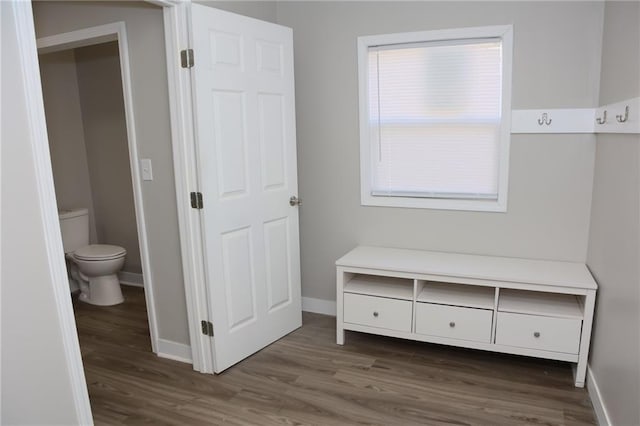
x: 504, y: 269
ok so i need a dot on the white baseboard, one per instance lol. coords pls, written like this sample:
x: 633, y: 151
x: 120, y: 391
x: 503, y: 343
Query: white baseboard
x: 596, y: 400
x: 319, y: 306
x: 131, y: 278
x: 175, y: 351
x: 181, y: 352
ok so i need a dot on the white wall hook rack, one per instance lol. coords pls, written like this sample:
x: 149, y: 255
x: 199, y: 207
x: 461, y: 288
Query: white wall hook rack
x: 579, y: 120
x: 627, y: 121
x: 563, y: 121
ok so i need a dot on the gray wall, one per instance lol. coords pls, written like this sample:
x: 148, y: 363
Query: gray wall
x: 556, y: 65
x: 145, y: 32
x: 66, y: 134
x: 106, y: 141
x: 36, y: 384
x: 614, y: 242
x: 264, y: 10
x: 620, y: 52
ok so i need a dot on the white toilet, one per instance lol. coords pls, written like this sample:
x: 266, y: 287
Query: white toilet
x: 92, y: 267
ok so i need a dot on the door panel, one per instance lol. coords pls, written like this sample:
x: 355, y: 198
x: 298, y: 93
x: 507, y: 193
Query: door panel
x: 239, y: 279
x: 225, y: 49
x: 246, y: 149
x: 272, y: 140
x: 229, y: 110
x: 277, y: 256
x: 270, y: 58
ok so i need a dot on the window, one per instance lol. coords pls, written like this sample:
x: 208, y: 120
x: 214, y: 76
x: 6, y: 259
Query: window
x: 435, y: 118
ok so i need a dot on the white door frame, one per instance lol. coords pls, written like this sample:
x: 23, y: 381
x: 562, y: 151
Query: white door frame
x: 176, y: 38
x: 96, y: 35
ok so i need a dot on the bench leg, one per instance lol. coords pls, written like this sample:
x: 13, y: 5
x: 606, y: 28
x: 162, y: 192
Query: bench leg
x: 580, y: 371
x: 339, y: 313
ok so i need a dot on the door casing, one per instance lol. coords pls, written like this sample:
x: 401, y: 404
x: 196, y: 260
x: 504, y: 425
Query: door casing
x: 96, y: 35
x: 176, y: 29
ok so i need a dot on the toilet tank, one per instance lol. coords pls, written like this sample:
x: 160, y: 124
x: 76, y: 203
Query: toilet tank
x: 74, y: 226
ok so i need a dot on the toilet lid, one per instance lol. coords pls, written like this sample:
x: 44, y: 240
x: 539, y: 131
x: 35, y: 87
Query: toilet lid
x: 99, y: 252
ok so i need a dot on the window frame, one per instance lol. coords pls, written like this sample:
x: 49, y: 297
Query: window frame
x: 505, y: 33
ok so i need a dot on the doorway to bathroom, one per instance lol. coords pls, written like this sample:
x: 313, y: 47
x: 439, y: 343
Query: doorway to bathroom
x: 92, y: 141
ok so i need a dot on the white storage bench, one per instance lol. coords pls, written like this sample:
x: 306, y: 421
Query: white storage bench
x: 519, y: 306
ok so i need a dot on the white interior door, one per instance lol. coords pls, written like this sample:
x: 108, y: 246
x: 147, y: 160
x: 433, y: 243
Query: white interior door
x: 245, y: 137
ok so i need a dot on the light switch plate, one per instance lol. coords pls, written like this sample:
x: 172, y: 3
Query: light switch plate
x: 145, y: 167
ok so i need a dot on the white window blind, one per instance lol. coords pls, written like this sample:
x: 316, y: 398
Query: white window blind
x: 435, y: 118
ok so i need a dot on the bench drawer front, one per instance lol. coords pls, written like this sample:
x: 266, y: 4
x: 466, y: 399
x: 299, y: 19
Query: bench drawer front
x: 392, y: 314
x: 454, y: 322
x: 539, y: 332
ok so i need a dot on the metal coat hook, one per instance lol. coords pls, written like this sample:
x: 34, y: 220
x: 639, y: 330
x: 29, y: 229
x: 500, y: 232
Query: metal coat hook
x: 603, y: 119
x: 626, y: 115
x: 544, y: 119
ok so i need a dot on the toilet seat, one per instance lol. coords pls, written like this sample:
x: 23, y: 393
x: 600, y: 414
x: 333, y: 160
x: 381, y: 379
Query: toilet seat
x: 98, y: 252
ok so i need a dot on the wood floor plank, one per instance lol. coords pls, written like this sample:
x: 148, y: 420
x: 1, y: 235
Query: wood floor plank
x: 306, y: 379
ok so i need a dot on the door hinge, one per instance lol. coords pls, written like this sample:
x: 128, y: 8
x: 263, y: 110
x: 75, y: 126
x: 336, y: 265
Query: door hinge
x: 186, y: 58
x: 196, y: 200
x: 207, y: 328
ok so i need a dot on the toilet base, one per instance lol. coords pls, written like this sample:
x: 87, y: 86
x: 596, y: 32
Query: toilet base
x: 102, y: 291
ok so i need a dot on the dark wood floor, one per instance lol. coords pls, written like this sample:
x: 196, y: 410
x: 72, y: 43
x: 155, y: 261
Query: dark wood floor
x: 305, y: 378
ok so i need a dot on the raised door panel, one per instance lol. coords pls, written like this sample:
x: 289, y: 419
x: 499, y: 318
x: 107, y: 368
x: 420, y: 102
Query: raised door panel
x: 270, y: 58
x: 272, y: 140
x: 278, y: 269
x: 229, y: 112
x: 239, y: 278
x: 226, y: 50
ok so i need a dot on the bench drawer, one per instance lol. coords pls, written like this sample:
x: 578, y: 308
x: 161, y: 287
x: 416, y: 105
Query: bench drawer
x: 454, y: 322
x: 539, y: 332
x: 382, y: 312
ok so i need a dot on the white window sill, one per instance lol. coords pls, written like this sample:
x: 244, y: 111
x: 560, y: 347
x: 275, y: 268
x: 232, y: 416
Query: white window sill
x: 435, y: 203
